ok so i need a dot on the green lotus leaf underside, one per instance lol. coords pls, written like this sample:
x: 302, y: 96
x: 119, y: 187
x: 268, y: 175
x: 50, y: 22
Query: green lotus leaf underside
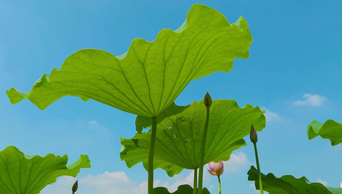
x: 288, y: 184
x: 25, y: 174
x: 149, y: 77
x: 182, y: 189
x: 331, y: 130
x: 179, y: 137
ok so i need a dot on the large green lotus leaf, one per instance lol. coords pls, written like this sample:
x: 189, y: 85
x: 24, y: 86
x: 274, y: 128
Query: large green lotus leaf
x: 331, y: 130
x: 182, y: 189
x: 142, y: 122
x: 288, y: 184
x: 179, y: 137
x: 150, y: 76
x: 25, y: 174
x: 335, y: 190
x: 136, y: 150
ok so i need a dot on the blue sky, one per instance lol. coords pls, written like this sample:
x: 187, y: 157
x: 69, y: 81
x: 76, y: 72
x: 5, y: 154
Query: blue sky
x: 293, y: 72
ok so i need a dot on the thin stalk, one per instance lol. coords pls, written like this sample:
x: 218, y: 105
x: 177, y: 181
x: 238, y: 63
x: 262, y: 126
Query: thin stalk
x: 195, y: 181
x: 204, y: 139
x: 219, y: 180
x: 151, y: 155
x: 258, y: 166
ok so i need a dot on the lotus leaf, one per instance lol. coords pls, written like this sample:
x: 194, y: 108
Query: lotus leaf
x: 182, y: 189
x: 149, y: 77
x: 179, y: 136
x: 331, y: 130
x: 289, y: 184
x: 25, y: 174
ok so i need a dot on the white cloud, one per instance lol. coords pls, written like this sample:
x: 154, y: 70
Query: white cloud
x: 92, y: 122
x: 112, y: 183
x: 310, y: 100
x: 236, y: 162
x: 322, y: 182
x: 180, y: 180
x: 211, y: 186
x: 63, y: 185
x: 106, y: 183
x: 119, y: 182
x: 270, y: 116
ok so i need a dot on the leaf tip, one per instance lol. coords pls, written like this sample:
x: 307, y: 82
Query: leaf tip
x: 16, y: 96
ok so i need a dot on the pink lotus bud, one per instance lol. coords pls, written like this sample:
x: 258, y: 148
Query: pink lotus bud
x: 253, y: 135
x: 341, y: 185
x: 207, y: 100
x: 215, y: 169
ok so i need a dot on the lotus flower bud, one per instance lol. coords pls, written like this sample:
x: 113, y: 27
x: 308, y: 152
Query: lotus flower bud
x: 75, y: 186
x: 207, y: 100
x: 253, y: 135
x: 215, y: 169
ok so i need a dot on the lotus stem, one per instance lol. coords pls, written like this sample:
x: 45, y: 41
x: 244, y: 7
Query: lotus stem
x: 258, y: 166
x: 195, y: 181
x: 219, y: 180
x: 151, y: 155
x: 204, y: 139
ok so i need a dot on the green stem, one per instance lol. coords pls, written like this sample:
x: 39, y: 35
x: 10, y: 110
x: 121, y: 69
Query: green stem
x: 151, y: 155
x: 195, y: 181
x: 204, y: 140
x: 258, y: 166
x: 219, y: 180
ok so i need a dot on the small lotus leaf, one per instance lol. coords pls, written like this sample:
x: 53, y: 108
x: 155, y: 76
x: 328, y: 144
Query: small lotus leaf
x: 286, y: 184
x: 331, y: 130
x: 27, y: 174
